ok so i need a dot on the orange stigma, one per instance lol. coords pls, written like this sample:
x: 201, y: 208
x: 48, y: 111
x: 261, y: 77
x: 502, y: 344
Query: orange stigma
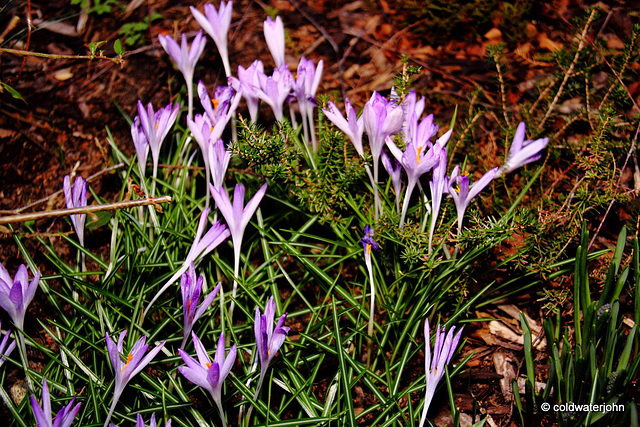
x: 208, y: 365
x: 129, y: 357
x: 215, y: 104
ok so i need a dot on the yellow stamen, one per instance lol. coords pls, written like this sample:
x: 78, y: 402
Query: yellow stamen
x: 418, y: 157
x: 129, y: 357
x: 457, y: 188
x: 368, y: 249
x: 208, y: 365
x: 156, y: 125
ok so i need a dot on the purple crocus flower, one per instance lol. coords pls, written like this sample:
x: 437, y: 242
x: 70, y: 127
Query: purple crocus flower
x: 394, y: 169
x: 274, y: 34
x: 304, y: 88
x: 462, y: 193
x: 17, y: 293
x: 249, y: 84
x: 156, y: 126
x: 135, y: 362
x: 63, y: 418
x: 237, y: 216
x: 206, y: 373
x: 201, y: 246
x: 412, y: 109
x: 76, y: 197
x: 522, y: 152
x: 421, y: 133
x: 382, y: 118
x: 368, y: 242
x: 5, y: 347
x: 141, y: 143
x: 191, y: 288
x: 185, y: 58
x: 275, y: 89
x: 216, y: 23
x: 268, y: 339
x: 352, y: 126
x: 443, y: 350
x: 221, y: 108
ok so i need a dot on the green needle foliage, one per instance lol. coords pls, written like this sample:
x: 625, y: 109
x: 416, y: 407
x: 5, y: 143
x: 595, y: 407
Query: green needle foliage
x: 595, y: 362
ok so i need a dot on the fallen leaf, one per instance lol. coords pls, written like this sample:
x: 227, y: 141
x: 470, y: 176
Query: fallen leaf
x: 546, y: 43
x: 64, y: 74
x: 493, y: 34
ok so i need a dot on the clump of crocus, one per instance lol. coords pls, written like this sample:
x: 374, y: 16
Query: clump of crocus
x: 76, y: 197
x: 5, y: 347
x: 268, y: 340
x: 381, y: 118
x: 155, y: 126
x: 63, y: 418
x: 274, y: 35
x: 185, y: 57
x: 434, y: 364
x: 201, y: 246
x: 206, y: 373
x: 522, y: 152
x: 237, y: 216
x: 135, y: 361
x: 216, y: 23
x: 368, y: 243
x: 191, y: 288
x: 462, y: 193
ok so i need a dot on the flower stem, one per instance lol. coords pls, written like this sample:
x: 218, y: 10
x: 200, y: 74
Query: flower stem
x: 263, y: 372
x: 371, y: 308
